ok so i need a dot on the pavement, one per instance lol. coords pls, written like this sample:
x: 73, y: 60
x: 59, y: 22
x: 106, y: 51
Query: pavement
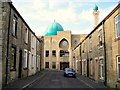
x: 91, y: 83
x: 23, y: 83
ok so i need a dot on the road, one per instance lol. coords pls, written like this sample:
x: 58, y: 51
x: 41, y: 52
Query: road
x: 55, y: 79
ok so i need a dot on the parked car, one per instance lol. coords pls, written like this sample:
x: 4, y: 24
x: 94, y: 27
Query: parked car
x: 69, y: 72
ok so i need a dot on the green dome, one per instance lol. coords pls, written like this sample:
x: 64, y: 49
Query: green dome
x: 95, y: 7
x: 53, y: 28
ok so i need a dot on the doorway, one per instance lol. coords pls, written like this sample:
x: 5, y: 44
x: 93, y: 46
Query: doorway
x: 96, y: 69
x: 64, y: 65
x: 87, y: 67
x: 20, y: 64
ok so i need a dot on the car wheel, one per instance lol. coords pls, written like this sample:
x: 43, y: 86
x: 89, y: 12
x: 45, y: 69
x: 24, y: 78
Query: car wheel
x: 74, y: 76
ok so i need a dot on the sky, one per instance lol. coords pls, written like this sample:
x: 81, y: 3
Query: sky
x: 74, y: 15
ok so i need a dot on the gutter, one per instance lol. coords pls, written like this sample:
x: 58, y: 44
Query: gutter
x: 105, y: 61
x: 81, y: 59
x: 7, y: 58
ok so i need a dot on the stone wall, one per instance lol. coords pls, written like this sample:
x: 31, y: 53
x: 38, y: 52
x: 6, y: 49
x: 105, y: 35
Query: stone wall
x: 0, y: 45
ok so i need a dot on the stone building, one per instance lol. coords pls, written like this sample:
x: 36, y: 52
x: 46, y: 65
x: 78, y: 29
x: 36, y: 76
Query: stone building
x: 99, y: 52
x: 41, y: 50
x: 20, y: 48
x: 58, y: 45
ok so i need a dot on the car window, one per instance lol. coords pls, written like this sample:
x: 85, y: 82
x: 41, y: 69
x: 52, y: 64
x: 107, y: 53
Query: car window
x: 69, y: 69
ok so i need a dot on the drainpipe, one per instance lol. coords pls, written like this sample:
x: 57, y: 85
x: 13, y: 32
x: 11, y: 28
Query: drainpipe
x: 81, y: 59
x: 7, y: 58
x: 105, y: 62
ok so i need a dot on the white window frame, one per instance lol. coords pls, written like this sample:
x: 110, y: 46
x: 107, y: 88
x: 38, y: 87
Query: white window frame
x: 83, y: 47
x: 29, y: 59
x: 32, y: 41
x: 91, y: 67
x: 101, y: 68
x: 26, y: 35
x: 38, y: 58
x: 25, y: 58
x: 118, y: 63
x: 90, y: 43
x: 100, y: 38
x: 116, y: 22
x: 15, y: 26
x: 32, y: 61
x: 13, y: 31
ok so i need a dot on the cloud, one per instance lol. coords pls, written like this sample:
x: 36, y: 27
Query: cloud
x: 40, y: 4
x: 40, y: 13
x: 105, y: 12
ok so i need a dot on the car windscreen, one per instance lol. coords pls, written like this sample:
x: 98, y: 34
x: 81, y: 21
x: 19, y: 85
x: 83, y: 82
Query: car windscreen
x: 69, y: 70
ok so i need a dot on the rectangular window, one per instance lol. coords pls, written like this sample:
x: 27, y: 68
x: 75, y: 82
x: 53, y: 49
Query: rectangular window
x: 83, y: 51
x: 117, y: 25
x: 32, y: 62
x: 101, y: 69
x: 29, y: 56
x: 54, y: 53
x: 100, y: 38
x: 47, y: 53
x: 15, y: 26
x: 25, y: 58
x: 91, y: 67
x: 90, y: 43
x: 118, y: 59
x: 38, y: 59
x: 26, y: 35
x: 61, y: 53
x: 54, y: 65
x: 13, y: 58
x: 35, y: 62
x: 46, y: 64
x: 32, y: 41
x: 64, y: 53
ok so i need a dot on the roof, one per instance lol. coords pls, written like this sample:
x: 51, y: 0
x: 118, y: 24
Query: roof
x: 53, y: 28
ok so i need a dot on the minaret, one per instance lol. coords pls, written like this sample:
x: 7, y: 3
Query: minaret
x: 96, y: 15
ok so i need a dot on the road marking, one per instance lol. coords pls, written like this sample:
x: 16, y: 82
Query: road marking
x: 33, y: 81
x: 86, y: 83
x: 55, y: 80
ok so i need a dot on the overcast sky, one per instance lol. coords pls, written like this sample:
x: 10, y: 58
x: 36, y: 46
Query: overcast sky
x: 73, y: 15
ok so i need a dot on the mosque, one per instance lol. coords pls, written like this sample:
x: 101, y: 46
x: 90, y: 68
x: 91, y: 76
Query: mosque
x: 59, y: 43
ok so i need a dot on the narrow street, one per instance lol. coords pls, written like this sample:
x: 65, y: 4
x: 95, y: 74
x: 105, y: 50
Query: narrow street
x: 56, y: 79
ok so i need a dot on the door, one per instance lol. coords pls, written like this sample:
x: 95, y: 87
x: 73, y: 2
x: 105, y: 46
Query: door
x: 96, y: 69
x: 64, y: 65
x: 20, y: 64
x: 87, y: 67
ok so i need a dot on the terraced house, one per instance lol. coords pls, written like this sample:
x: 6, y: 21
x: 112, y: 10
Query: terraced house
x: 20, y: 47
x: 98, y: 55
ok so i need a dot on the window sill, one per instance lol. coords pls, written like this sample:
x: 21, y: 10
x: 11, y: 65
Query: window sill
x: 90, y: 51
x: 25, y: 68
x: 101, y: 78
x: 13, y: 69
x: 116, y: 39
x: 118, y: 81
x: 14, y: 36
x: 100, y: 47
x: 26, y: 43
